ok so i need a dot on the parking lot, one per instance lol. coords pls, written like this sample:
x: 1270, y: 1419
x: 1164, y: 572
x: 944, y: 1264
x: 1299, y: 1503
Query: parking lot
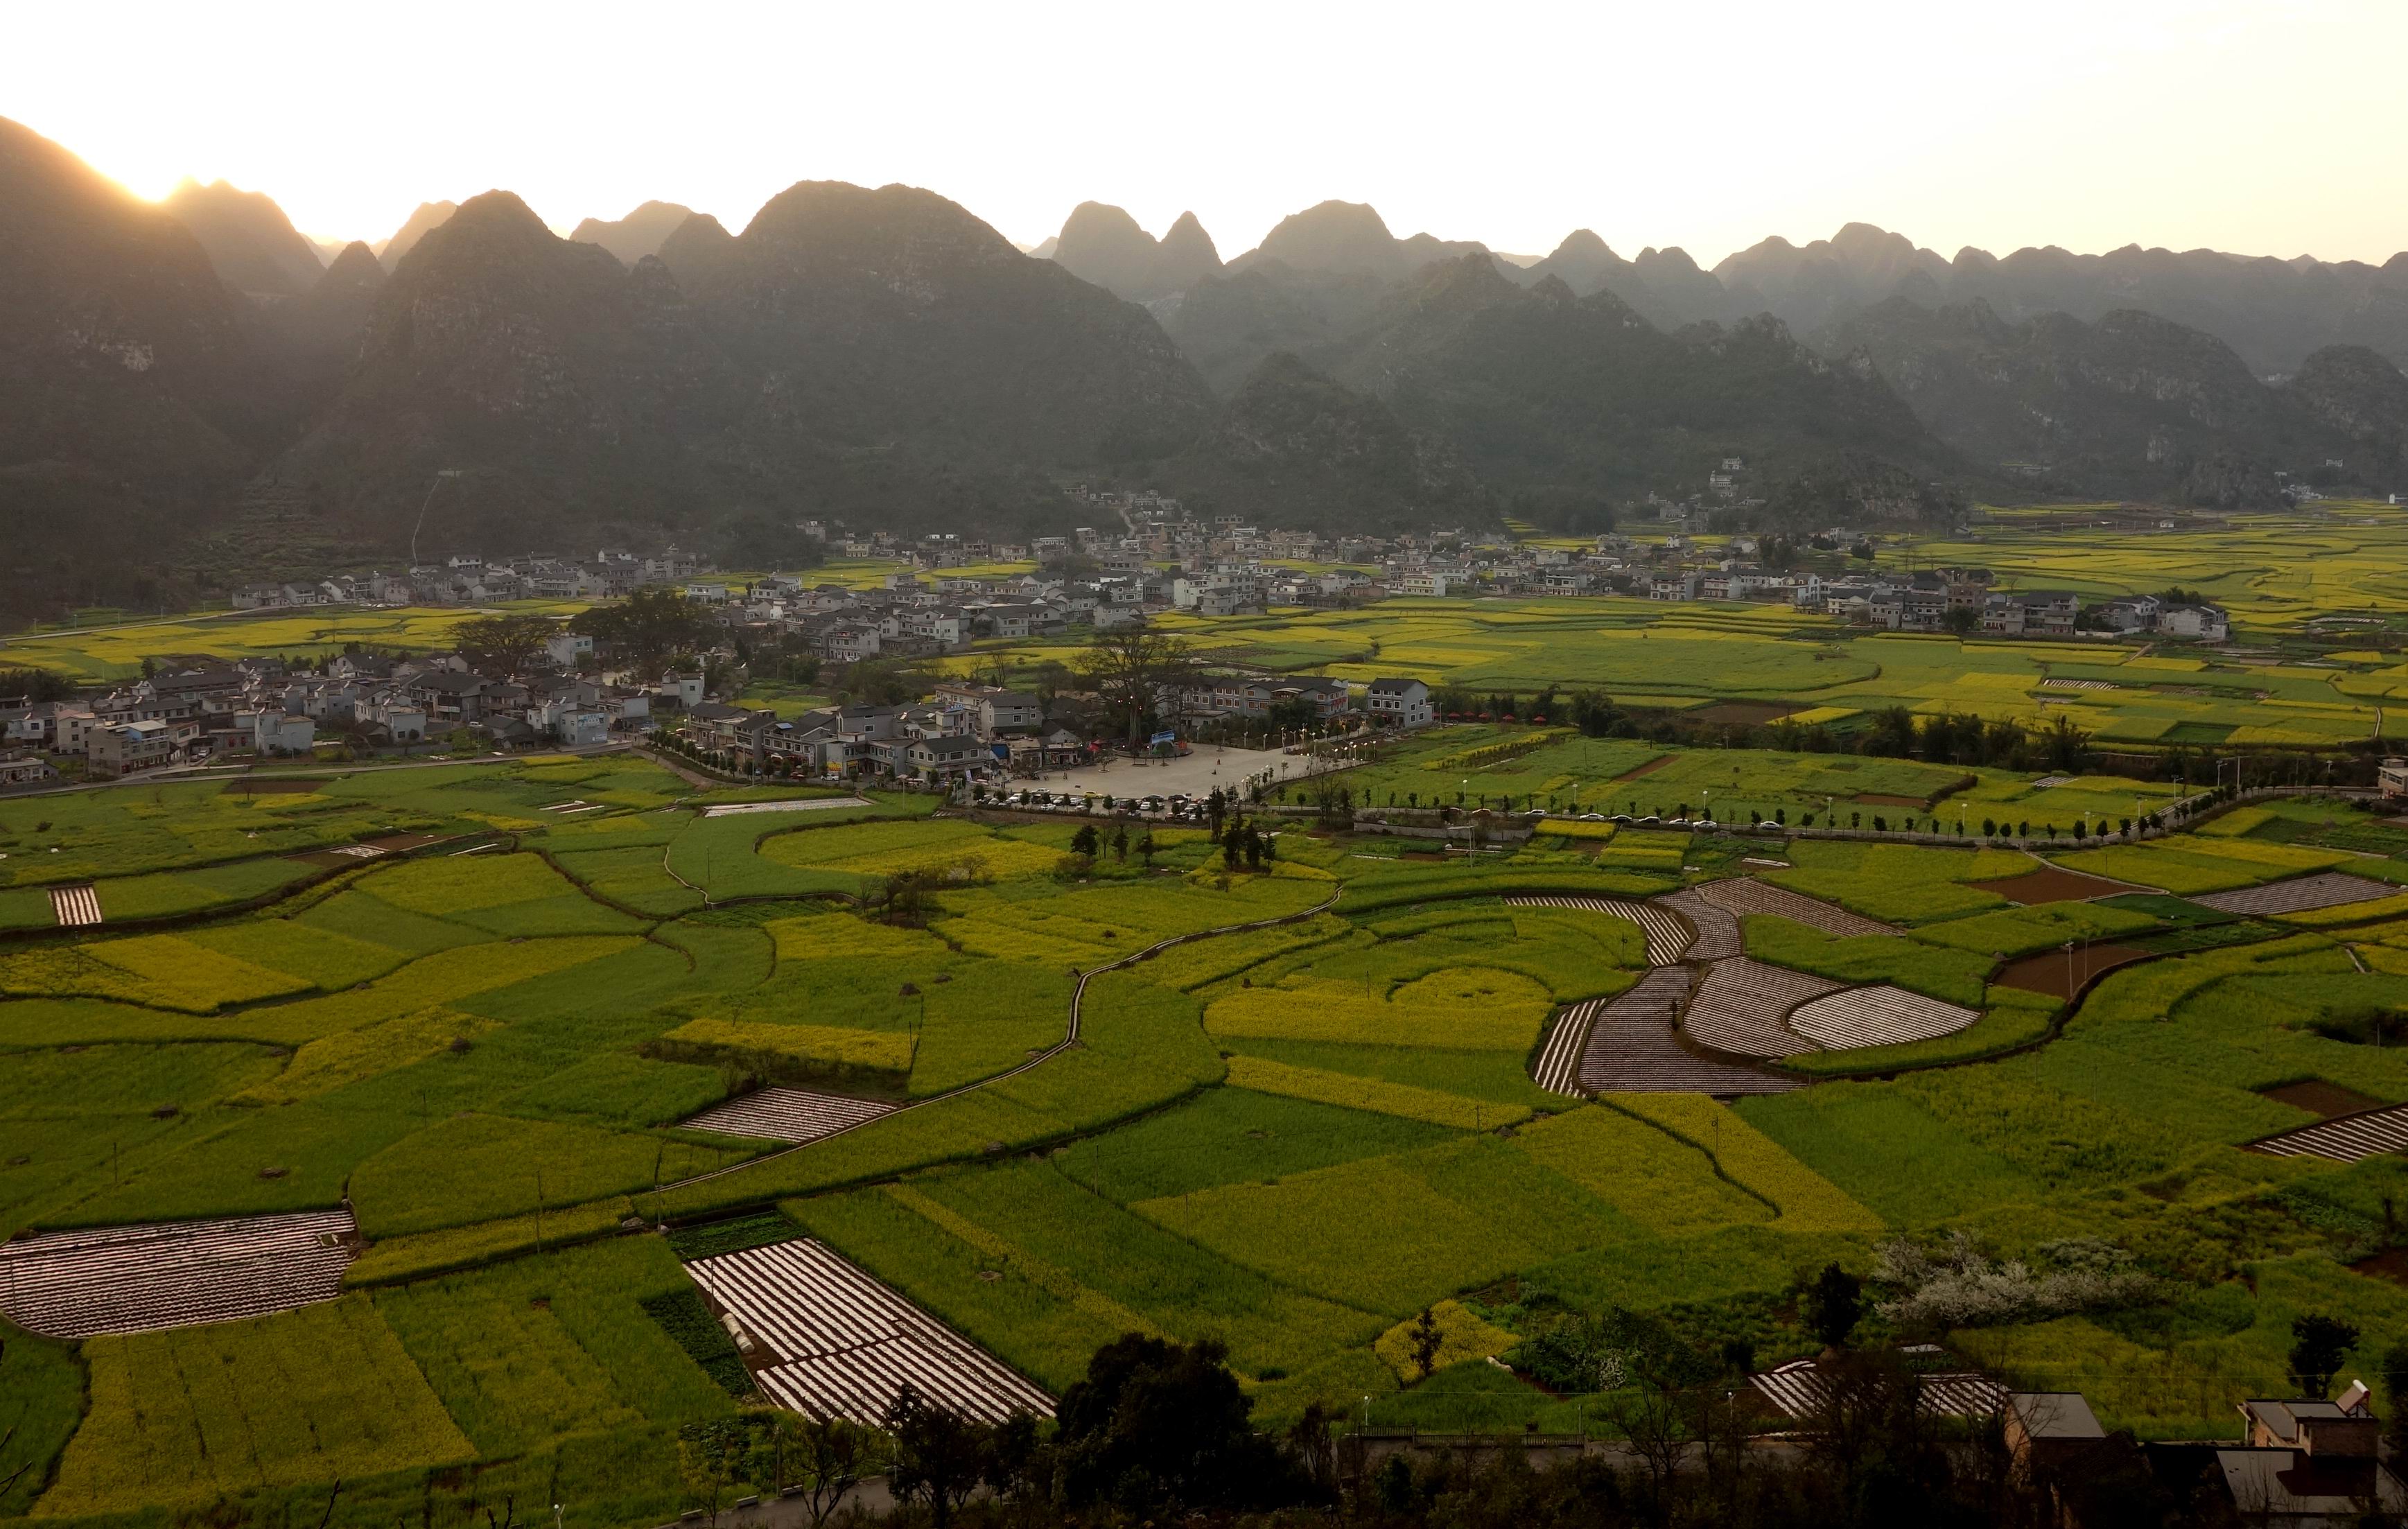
x: 1210, y: 767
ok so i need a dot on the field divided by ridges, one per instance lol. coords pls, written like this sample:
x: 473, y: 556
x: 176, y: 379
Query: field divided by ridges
x: 1800, y: 1390
x: 1667, y: 935
x: 845, y: 1345
x: 75, y: 906
x: 2301, y: 894
x: 1880, y: 1015
x: 174, y: 1273
x: 1718, y: 932
x: 1743, y: 896
x: 791, y: 1115
x: 2347, y: 1138
x: 1632, y: 1047
x: 1741, y: 1005
x: 1557, y: 1070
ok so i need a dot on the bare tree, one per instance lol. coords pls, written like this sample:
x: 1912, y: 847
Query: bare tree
x: 1131, y: 670
x: 1650, y: 1419
x: 835, y: 1454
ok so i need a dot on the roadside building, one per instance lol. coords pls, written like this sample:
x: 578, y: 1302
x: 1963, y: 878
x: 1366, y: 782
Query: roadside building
x: 121, y: 749
x: 1400, y: 703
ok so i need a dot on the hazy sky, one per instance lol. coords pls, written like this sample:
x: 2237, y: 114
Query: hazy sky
x: 2262, y: 128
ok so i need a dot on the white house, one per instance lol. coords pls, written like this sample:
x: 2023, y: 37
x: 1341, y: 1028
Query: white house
x: 2204, y: 623
x: 1404, y: 703
x: 566, y: 649
x: 280, y: 732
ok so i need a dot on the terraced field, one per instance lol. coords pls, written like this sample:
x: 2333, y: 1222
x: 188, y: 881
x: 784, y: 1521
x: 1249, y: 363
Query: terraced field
x: 962, y: 1144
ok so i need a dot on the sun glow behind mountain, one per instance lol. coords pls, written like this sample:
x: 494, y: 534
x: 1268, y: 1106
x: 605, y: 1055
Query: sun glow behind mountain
x: 2232, y: 126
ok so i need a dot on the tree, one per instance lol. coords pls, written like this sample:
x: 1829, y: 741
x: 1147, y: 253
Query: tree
x: 882, y: 681
x: 1833, y: 1306
x: 36, y: 685
x: 507, y: 643
x: 2394, y: 1391
x: 1085, y: 841
x: 1893, y: 733
x: 1307, y: 1439
x: 2068, y: 747
x: 1962, y: 620
x: 834, y: 1454
x: 2319, y: 1344
x: 649, y: 626
x: 1145, y: 848
x: 1296, y: 714
x: 1155, y: 1423
x: 939, y: 1454
x: 1594, y: 714
x: 1427, y: 1341
x: 1132, y: 672
x: 1120, y: 844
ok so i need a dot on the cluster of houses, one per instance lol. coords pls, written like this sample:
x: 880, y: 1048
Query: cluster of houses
x: 2301, y: 1461
x: 1921, y: 601
x: 259, y: 706
x: 469, y: 580
x: 1159, y: 559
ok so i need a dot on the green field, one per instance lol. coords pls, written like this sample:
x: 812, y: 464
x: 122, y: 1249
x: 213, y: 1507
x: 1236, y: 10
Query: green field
x: 1291, y: 1139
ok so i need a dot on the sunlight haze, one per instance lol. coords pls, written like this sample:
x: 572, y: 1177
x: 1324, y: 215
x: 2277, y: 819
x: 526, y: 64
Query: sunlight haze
x: 2244, y: 128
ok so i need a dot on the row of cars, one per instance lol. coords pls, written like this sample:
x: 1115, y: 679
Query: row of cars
x: 1178, y: 807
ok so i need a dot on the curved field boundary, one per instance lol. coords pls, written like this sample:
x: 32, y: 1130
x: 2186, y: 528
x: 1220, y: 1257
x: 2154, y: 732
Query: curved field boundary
x: 1632, y: 1047
x: 1557, y: 1069
x: 1718, y: 932
x: 1069, y: 1038
x: 1742, y: 895
x: 1742, y: 1006
x: 1880, y: 1015
x: 1667, y: 935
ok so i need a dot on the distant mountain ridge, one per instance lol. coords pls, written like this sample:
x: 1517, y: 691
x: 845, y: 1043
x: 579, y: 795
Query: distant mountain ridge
x: 638, y: 233
x: 428, y: 217
x: 1104, y: 245
x: 2133, y: 406
x: 252, y: 245
x: 2273, y: 313
x: 130, y: 393
x: 881, y: 355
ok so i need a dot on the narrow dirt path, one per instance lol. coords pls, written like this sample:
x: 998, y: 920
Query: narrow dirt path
x: 1069, y: 1038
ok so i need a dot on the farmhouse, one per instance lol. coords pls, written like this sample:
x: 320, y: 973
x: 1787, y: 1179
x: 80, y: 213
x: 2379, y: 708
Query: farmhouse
x: 121, y: 749
x: 1401, y: 702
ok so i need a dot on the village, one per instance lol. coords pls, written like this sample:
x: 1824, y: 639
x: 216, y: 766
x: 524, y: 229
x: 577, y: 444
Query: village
x: 944, y: 596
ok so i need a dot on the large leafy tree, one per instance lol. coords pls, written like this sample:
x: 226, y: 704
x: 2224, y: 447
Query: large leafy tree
x: 1156, y: 1423
x: 648, y: 626
x: 507, y: 643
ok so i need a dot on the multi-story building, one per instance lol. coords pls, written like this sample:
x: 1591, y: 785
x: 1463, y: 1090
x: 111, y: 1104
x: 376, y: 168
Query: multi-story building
x: 121, y: 749
x: 1402, y: 703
